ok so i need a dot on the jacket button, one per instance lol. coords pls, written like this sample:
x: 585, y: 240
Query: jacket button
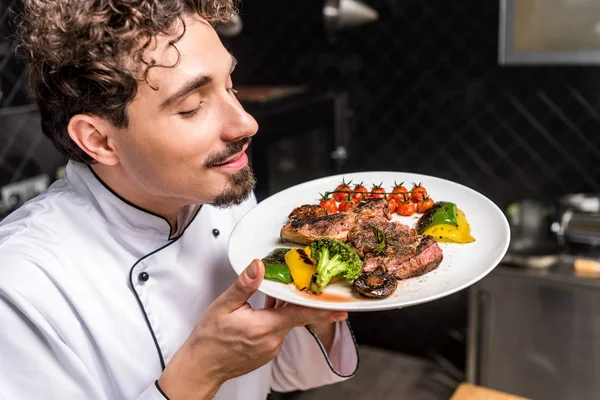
x: 143, y: 276
x: 215, y: 232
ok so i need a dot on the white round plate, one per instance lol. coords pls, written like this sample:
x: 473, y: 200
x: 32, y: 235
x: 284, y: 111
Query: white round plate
x: 257, y: 234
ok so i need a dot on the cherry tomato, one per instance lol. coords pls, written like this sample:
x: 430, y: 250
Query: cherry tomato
x: 328, y: 203
x: 341, y: 191
x: 359, y: 193
x: 393, y: 203
x: 406, y: 208
x: 424, y: 205
x: 418, y: 193
x: 397, y: 192
x: 346, y: 205
x: 377, y: 192
x: 403, y: 197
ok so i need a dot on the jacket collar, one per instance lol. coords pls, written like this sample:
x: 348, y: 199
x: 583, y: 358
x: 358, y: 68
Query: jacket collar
x: 121, y: 213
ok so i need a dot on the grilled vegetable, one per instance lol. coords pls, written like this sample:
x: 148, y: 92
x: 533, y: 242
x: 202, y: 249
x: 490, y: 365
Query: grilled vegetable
x: 442, y: 212
x: 301, y: 267
x: 376, y: 284
x: 333, y: 258
x: 450, y: 233
x: 276, y: 268
x: 445, y: 223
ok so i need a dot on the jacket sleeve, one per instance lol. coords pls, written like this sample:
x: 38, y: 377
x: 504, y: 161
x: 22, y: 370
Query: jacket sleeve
x: 36, y: 364
x: 303, y: 364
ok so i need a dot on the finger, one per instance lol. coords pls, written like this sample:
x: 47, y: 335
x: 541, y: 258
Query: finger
x: 280, y: 303
x: 270, y: 302
x: 238, y: 294
x: 292, y: 316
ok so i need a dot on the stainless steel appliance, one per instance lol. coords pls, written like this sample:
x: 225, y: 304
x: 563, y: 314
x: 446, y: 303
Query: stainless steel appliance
x: 535, y: 332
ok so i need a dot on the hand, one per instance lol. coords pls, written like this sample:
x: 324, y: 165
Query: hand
x: 325, y: 332
x: 232, y: 339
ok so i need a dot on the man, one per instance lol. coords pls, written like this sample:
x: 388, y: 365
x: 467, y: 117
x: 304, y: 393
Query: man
x: 115, y: 283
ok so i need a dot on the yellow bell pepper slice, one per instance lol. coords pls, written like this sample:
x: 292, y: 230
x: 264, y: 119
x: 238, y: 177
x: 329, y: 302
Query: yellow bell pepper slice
x: 301, y: 267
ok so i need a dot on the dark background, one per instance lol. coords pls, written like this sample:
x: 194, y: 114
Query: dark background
x: 426, y: 95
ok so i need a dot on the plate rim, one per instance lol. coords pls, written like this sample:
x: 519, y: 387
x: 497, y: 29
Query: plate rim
x: 342, y: 306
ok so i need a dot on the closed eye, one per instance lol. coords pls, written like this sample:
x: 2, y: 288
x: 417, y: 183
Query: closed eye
x: 190, y: 113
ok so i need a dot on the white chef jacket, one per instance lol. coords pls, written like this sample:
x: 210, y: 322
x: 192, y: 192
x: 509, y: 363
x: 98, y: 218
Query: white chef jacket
x: 96, y: 297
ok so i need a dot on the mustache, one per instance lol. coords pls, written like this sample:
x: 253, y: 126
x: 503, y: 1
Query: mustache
x: 232, y: 149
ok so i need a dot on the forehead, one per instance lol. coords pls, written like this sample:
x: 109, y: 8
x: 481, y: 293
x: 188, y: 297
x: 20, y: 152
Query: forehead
x: 198, y: 52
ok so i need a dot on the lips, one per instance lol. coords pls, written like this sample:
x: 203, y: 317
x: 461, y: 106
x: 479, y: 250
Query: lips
x: 234, y: 158
x: 234, y: 163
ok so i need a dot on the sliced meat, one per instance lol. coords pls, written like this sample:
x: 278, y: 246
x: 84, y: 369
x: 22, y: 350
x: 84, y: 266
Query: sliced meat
x: 429, y: 256
x: 309, y: 222
x: 416, y: 256
x: 305, y: 230
x: 308, y: 210
x: 362, y: 236
x: 372, y: 208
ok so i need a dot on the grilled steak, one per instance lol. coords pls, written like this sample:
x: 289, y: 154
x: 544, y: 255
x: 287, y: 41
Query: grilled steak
x: 305, y: 230
x: 363, y: 235
x: 372, y: 208
x: 308, y: 210
x: 310, y: 222
x: 417, y: 255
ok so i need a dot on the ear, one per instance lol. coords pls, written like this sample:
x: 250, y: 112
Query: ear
x: 93, y: 135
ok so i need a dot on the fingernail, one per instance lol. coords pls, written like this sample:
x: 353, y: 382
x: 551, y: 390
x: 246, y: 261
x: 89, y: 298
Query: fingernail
x: 252, y: 271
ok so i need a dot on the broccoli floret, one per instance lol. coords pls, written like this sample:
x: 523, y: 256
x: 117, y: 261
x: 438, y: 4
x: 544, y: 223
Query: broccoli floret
x: 333, y: 258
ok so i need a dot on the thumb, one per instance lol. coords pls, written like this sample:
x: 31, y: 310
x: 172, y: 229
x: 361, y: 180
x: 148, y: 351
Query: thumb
x: 243, y: 287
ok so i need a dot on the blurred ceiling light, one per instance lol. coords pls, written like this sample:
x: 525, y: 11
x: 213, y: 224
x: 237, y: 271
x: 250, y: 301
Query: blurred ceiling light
x: 233, y: 27
x: 347, y: 14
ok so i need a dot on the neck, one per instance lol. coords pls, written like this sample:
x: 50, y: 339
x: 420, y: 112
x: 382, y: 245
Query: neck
x: 115, y: 178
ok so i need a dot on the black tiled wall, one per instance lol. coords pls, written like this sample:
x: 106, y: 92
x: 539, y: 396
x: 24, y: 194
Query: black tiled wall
x: 428, y: 96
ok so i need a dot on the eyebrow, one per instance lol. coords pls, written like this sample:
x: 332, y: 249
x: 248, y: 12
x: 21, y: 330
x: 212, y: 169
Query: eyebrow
x: 192, y: 85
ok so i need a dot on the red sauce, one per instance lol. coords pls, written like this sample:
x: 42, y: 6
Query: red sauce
x: 332, y: 297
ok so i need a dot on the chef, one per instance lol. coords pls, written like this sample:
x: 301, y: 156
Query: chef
x: 115, y: 282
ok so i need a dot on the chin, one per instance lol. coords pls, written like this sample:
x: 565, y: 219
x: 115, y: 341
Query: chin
x: 238, y: 188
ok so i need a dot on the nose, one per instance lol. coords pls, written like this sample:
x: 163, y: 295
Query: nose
x: 238, y: 123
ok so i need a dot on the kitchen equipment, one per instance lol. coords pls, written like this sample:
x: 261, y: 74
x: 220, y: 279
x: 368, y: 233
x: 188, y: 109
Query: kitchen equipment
x: 577, y: 225
x: 535, y: 333
x: 547, y: 345
x: 530, y: 222
x: 533, y: 244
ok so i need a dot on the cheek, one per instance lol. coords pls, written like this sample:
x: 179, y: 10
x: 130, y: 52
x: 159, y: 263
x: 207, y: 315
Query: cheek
x: 168, y: 141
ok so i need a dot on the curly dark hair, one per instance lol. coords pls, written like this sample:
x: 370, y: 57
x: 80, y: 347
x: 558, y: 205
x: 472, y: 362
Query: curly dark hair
x: 79, y: 55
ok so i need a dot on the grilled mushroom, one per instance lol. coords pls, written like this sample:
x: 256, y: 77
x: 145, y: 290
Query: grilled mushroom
x: 376, y: 284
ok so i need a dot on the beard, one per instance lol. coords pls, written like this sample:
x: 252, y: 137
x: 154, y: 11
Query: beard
x: 240, y: 187
x: 240, y: 184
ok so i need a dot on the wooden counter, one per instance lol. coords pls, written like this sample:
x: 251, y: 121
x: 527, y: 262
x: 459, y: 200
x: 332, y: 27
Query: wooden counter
x: 466, y: 391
